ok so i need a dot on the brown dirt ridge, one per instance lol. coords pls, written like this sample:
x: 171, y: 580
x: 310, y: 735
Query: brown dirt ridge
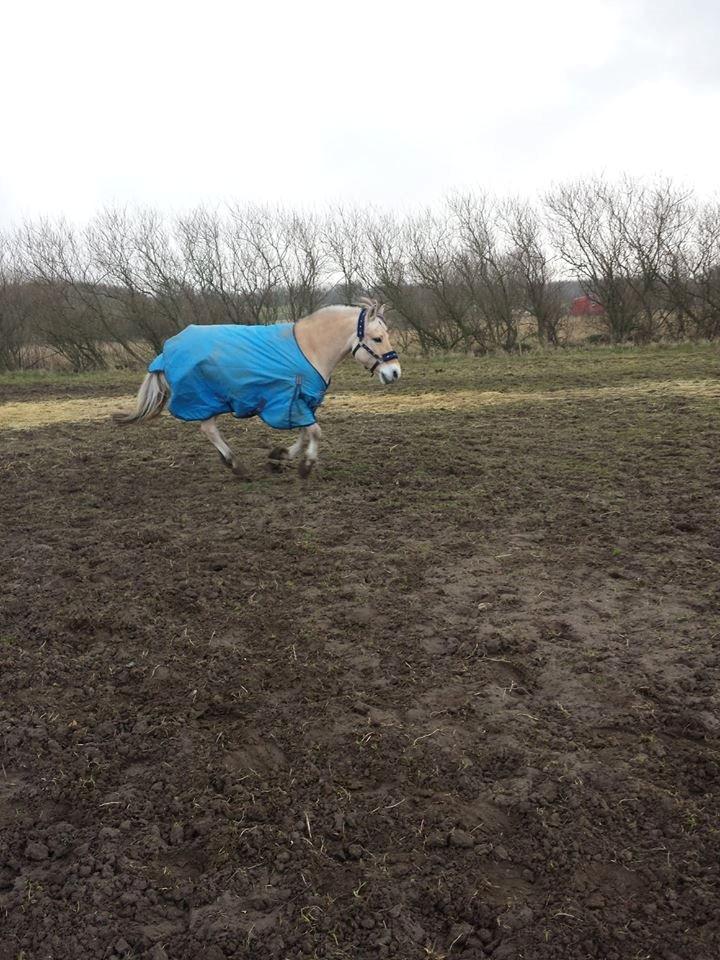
x: 456, y: 696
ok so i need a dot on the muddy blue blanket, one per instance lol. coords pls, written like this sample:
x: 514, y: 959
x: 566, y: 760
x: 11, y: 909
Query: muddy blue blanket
x: 245, y: 371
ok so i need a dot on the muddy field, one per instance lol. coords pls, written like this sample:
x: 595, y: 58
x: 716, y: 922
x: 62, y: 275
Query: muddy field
x: 455, y: 697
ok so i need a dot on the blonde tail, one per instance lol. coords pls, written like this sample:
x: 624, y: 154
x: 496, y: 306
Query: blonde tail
x: 152, y: 396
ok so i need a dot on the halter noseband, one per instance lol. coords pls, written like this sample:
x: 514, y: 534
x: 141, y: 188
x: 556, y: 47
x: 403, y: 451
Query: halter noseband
x: 384, y: 358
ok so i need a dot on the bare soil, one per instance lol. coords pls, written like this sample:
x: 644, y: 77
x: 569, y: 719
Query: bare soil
x: 456, y: 696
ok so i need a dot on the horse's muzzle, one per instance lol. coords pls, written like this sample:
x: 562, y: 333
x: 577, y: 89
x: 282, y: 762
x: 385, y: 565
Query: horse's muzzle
x: 389, y: 372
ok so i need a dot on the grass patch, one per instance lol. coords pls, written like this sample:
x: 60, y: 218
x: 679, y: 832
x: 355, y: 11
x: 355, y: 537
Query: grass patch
x: 539, y: 370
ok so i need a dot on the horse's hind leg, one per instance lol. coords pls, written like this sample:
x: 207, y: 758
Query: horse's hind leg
x: 280, y: 455
x: 210, y: 430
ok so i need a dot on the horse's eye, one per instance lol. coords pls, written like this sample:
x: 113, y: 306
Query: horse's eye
x: 377, y: 339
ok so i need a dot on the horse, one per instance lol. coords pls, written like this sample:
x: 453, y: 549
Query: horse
x: 279, y: 372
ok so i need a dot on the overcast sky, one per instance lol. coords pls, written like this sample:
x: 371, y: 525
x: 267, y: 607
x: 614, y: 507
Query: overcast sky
x: 312, y: 102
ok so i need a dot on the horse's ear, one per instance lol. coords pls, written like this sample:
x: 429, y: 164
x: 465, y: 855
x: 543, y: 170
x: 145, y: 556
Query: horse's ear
x: 372, y: 307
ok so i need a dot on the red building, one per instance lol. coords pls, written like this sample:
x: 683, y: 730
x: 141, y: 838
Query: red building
x: 586, y: 307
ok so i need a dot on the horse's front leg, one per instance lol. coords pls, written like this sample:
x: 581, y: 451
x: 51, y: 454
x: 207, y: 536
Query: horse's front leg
x: 309, y: 454
x: 210, y: 430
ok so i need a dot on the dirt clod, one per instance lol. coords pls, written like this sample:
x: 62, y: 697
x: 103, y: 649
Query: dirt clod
x: 461, y: 838
x: 37, y: 851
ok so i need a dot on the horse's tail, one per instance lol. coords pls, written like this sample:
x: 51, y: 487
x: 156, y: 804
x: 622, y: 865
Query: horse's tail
x: 152, y: 396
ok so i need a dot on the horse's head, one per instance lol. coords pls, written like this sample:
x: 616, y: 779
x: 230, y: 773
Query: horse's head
x: 371, y: 344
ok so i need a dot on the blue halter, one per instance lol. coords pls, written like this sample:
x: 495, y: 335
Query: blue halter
x: 384, y: 358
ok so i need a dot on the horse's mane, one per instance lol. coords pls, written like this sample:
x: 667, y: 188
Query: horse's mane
x: 374, y: 307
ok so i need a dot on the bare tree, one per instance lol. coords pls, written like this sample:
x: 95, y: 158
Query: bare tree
x: 252, y: 264
x: 489, y: 271
x: 302, y: 262
x: 464, y: 276
x: 651, y: 220
x: 252, y: 247
x: 404, y: 267
x: 691, y: 275
x: 346, y: 249
x: 210, y: 294
x: 162, y: 269
x: 66, y: 310
x: 133, y: 262
x: 534, y: 267
x: 595, y: 254
x: 614, y: 238
x: 15, y: 309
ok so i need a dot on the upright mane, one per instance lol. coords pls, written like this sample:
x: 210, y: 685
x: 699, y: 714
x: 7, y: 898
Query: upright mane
x: 374, y: 308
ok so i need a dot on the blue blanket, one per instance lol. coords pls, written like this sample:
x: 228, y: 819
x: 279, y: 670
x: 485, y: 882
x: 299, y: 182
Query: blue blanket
x: 245, y: 371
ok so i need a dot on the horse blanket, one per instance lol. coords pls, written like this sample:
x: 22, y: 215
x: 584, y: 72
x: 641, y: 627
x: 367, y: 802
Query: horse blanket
x: 243, y: 370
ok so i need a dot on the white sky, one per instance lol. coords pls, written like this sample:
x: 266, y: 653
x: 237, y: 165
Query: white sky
x: 312, y: 102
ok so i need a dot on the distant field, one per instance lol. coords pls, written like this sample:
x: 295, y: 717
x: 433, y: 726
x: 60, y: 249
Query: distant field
x: 455, y: 696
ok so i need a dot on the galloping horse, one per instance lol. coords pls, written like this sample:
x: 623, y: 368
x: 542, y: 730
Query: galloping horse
x: 278, y: 372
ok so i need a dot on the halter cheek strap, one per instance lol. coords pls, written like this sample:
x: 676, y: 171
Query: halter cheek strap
x: 379, y: 358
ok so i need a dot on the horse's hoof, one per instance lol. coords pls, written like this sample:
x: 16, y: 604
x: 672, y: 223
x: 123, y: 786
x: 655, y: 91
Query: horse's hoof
x: 225, y: 462
x: 240, y: 472
x: 276, y: 458
x: 305, y: 468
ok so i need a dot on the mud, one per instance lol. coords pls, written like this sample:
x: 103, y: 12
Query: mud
x: 456, y: 696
